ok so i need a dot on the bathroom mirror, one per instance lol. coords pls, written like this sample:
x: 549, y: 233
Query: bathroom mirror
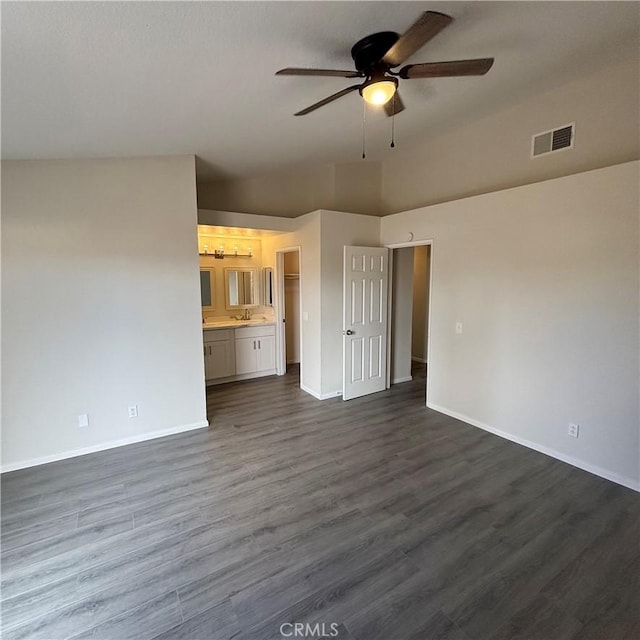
x: 240, y: 287
x: 267, y: 286
x: 208, y: 288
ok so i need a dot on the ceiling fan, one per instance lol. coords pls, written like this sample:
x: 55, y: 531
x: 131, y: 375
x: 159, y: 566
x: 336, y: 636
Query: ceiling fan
x: 377, y: 55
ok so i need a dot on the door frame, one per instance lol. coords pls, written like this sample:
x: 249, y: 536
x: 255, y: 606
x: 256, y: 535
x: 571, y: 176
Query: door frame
x: 281, y: 339
x: 403, y: 245
x: 352, y: 390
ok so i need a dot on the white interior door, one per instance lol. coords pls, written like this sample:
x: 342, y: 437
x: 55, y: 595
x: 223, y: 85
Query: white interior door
x: 366, y: 276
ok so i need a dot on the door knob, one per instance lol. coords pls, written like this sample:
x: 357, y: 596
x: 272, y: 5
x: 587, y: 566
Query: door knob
x: 349, y: 332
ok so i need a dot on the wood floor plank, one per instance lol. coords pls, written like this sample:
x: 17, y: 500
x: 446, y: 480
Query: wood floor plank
x: 219, y: 622
x: 142, y: 623
x: 28, y: 577
x: 20, y: 559
x: 391, y: 520
x: 21, y: 536
x: 65, y: 507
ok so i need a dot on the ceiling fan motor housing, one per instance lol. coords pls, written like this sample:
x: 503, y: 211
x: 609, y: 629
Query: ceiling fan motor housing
x: 368, y: 52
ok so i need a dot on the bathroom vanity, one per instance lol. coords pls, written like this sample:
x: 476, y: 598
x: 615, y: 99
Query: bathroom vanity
x: 238, y: 350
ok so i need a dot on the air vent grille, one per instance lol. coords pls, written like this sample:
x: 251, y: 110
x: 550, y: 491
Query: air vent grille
x: 553, y: 140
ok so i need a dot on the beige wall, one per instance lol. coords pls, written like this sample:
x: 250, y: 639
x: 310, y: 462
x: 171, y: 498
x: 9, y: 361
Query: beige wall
x: 545, y: 279
x: 357, y: 187
x: 346, y: 186
x: 100, y: 304
x: 492, y: 152
x: 420, y: 324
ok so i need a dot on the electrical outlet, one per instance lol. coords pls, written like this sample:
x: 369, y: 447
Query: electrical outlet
x: 573, y: 430
x: 133, y: 411
x: 458, y: 327
x: 83, y: 420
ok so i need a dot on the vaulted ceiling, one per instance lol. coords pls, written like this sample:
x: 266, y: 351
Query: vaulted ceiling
x: 99, y: 79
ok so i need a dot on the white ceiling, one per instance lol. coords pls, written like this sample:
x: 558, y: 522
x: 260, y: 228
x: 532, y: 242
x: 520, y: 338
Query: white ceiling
x: 97, y: 79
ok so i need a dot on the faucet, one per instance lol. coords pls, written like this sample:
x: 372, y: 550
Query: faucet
x: 247, y: 314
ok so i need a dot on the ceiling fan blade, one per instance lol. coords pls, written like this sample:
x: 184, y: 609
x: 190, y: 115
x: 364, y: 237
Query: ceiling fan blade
x: 331, y: 98
x: 394, y: 106
x: 477, y: 67
x: 429, y: 24
x: 293, y: 71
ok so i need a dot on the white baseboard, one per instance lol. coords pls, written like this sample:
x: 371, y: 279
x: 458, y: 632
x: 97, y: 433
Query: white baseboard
x: 320, y: 396
x: 575, y: 462
x: 399, y: 380
x: 34, y: 462
x: 420, y: 360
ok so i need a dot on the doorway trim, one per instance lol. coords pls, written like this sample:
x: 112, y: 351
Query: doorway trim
x: 401, y: 245
x: 281, y: 340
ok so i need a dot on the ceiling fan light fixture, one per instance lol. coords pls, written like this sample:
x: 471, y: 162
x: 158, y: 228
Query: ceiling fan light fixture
x: 379, y: 92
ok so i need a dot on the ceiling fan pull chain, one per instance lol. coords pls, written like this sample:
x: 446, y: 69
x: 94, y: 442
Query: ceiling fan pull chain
x: 393, y: 123
x: 364, y: 122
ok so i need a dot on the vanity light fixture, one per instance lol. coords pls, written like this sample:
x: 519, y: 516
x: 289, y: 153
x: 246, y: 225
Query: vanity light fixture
x: 219, y: 253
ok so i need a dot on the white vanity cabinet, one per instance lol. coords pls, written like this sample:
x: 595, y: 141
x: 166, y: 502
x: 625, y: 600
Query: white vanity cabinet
x: 255, y: 350
x: 219, y: 354
x: 239, y: 354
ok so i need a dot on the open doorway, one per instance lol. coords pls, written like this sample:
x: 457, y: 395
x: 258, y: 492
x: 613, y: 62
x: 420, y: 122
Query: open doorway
x: 288, y: 310
x: 409, y: 313
x: 420, y: 309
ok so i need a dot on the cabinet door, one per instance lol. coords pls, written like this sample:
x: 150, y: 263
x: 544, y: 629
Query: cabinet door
x: 266, y: 353
x: 219, y: 359
x: 246, y: 355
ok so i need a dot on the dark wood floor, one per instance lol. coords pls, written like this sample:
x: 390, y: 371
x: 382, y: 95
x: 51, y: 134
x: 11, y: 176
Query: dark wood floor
x: 378, y: 515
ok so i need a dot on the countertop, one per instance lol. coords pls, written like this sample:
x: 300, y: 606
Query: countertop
x: 235, y: 324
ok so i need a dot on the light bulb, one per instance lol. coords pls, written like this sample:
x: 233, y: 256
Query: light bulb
x: 378, y: 93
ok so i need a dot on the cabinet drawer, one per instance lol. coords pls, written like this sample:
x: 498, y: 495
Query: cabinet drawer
x: 214, y: 335
x: 256, y: 332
